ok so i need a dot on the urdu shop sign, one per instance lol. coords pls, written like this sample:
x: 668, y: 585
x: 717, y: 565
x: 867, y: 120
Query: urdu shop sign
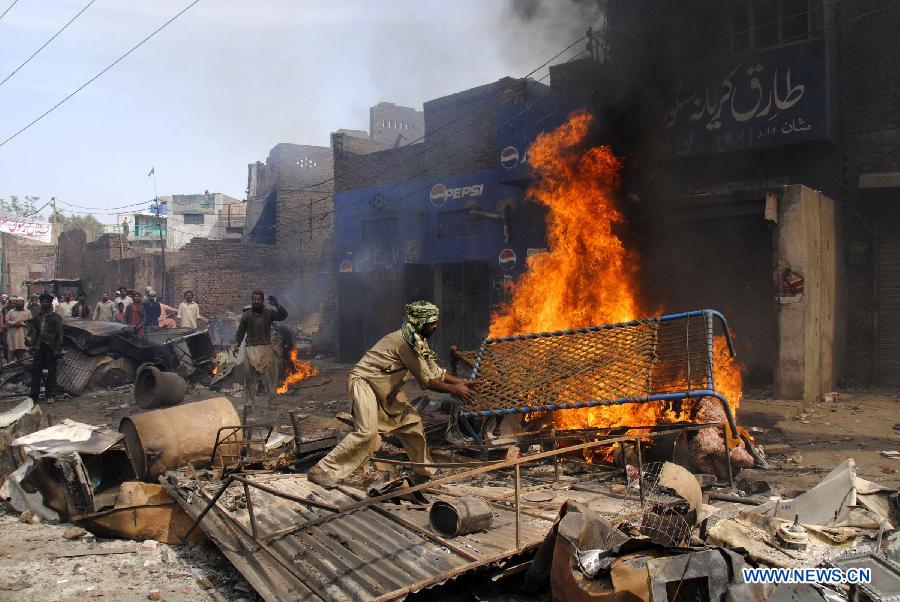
x: 771, y: 98
x: 26, y: 227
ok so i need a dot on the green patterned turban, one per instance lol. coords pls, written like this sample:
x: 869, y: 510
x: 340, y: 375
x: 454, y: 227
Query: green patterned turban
x: 418, y: 314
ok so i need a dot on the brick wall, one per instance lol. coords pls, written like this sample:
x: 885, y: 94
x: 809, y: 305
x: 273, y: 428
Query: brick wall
x: 20, y: 255
x: 869, y: 110
x: 69, y: 257
x: 223, y: 274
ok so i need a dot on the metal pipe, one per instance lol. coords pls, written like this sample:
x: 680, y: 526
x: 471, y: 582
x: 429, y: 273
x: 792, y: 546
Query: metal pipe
x: 555, y: 460
x: 518, y: 509
x: 612, y: 402
x: 727, y: 455
x: 640, y: 467
x: 725, y: 329
x: 283, y: 495
x: 250, y: 509
x: 209, y: 506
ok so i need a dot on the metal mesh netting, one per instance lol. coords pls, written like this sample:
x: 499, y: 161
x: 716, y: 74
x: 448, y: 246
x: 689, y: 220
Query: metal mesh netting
x: 615, y: 363
x: 659, y: 515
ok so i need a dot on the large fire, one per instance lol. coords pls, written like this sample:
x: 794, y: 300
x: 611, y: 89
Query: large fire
x: 300, y: 371
x: 588, y: 276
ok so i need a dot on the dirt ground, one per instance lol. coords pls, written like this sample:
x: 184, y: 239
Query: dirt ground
x: 802, y: 440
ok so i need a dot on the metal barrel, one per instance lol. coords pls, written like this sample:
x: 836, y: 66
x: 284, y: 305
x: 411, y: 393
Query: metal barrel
x: 461, y: 515
x: 154, y: 388
x: 169, y: 438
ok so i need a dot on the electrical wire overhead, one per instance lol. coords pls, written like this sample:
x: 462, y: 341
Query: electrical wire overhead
x: 8, y: 8
x: 97, y: 76
x: 47, y: 43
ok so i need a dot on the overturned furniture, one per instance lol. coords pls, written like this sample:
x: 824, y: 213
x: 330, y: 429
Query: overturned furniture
x: 666, y: 358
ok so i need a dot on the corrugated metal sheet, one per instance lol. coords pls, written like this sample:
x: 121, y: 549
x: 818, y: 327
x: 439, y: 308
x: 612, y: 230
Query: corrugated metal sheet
x: 363, y: 555
x: 75, y: 370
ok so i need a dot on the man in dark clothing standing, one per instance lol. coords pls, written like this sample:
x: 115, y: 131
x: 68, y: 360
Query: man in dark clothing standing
x: 46, y: 334
x: 134, y: 313
x: 151, y: 313
x: 81, y: 309
x: 256, y: 324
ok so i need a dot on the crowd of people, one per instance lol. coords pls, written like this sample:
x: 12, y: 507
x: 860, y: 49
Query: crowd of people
x: 36, y: 326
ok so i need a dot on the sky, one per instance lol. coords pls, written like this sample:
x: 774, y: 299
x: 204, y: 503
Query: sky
x: 230, y: 79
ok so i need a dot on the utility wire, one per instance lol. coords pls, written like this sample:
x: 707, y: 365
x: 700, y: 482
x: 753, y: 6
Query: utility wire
x: 36, y: 52
x: 8, y: 9
x: 447, y: 156
x: 102, y: 209
x: 489, y: 100
x: 107, y: 68
x: 311, y: 187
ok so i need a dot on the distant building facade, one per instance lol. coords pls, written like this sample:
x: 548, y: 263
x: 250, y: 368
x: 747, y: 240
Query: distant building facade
x: 210, y: 215
x: 145, y: 229
x: 395, y: 126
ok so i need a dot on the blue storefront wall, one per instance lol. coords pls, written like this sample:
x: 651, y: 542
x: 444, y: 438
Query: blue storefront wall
x: 449, y: 220
x: 518, y: 125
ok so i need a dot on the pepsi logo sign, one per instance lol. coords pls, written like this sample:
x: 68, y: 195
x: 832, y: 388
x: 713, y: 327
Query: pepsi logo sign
x: 346, y: 266
x: 509, y: 157
x: 440, y: 194
x: 507, y: 259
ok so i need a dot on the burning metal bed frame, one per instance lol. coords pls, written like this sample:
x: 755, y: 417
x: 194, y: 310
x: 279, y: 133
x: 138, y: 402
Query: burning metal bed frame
x: 665, y: 358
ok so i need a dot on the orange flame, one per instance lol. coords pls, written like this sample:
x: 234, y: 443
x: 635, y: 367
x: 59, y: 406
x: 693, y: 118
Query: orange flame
x: 588, y: 277
x: 215, y: 370
x: 300, y: 371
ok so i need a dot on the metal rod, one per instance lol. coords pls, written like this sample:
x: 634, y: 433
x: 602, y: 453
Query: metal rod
x: 518, y: 509
x: 232, y: 524
x: 211, y: 503
x: 727, y: 455
x: 711, y: 355
x: 432, y: 464
x: 250, y: 510
x: 471, y: 432
x: 286, y: 496
x: 555, y: 460
x: 640, y: 467
x: 612, y: 402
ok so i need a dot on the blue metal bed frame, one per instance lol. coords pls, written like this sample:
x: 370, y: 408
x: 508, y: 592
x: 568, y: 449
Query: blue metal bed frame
x: 709, y: 390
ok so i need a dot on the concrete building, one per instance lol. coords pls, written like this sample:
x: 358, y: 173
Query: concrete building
x: 395, y: 126
x: 145, y: 229
x: 210, y: 215
x: 760, y: 145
